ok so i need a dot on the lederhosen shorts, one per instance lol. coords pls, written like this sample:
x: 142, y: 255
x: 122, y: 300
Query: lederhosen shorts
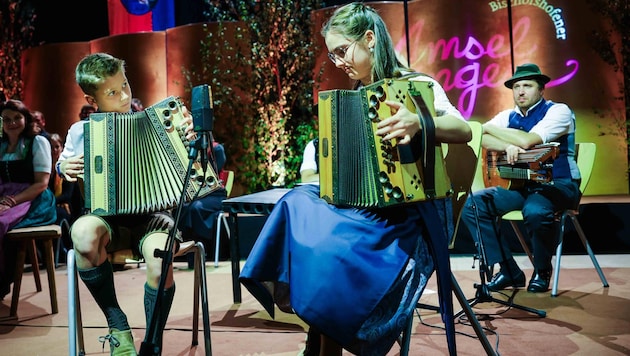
x: 130, y: 231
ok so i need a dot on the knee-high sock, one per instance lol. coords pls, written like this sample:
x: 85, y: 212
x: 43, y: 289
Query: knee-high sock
x: 100, y: 282
x: 150, y: 295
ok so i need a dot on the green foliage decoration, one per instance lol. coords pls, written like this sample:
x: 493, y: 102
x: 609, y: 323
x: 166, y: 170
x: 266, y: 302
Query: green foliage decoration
x: 262, y: 85
x: 604, y: 43
x: 16, y: 28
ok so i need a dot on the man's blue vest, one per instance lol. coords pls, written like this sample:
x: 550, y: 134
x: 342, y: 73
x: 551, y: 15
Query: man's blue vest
x: 561, y: 167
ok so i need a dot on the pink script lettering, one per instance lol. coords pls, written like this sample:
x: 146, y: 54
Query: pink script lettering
x: 472, y: 76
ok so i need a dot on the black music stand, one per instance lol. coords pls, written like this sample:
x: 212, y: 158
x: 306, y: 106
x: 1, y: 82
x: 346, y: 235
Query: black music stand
x: 150, y: 347
x: 483, y: 294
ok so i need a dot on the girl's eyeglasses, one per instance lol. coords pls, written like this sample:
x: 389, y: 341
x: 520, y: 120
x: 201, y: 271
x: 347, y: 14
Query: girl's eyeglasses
x: 340, y: 52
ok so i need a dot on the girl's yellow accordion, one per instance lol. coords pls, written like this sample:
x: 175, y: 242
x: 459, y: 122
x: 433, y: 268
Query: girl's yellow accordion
x: 357, y: 169
x: 136, y: 163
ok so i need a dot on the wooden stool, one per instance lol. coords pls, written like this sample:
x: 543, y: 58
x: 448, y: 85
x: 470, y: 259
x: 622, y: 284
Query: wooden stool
x: 26, y: 237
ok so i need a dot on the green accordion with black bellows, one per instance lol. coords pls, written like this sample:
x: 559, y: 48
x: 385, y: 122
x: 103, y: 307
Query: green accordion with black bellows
x: 137, y: 162
x: 357, y: 168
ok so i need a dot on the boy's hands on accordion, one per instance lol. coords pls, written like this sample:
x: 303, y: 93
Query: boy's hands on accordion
x: 72, y: 168
x: 190, y: 133
x: 403, y: 124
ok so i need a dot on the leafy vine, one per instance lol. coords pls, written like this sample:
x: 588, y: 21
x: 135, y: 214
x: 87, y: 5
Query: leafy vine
x: 16, y: 28
x: 263, y: 83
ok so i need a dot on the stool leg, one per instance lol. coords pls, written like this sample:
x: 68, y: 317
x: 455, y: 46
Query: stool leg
x: 75, y: 324
x: 50, y: 271
x: 17, y: 279
x: 32, y: 255
x: 587, y: 246
x: 218, y: 239
x: 195, y: 336
x: 204, y: 298
x: 57, y: 253
x: 72, y: 303
x: 221, y: 218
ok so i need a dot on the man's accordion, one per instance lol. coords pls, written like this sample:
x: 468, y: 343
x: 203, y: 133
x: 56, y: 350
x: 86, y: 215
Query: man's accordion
x: 357, y: 168
x: 136, y: 163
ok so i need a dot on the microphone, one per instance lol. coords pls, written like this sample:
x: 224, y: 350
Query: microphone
x: 203, y: 118
x: 203, y: 115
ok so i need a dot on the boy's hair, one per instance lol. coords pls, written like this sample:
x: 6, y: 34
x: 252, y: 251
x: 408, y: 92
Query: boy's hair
x: 95, y: 68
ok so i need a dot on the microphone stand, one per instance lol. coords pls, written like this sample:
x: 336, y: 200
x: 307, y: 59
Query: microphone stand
x: 209, y: 142
x: 483, y: 293
x: 149, y: 347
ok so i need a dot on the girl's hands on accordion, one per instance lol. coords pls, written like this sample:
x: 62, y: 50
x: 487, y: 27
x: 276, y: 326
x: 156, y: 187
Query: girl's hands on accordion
x: 403, y: 124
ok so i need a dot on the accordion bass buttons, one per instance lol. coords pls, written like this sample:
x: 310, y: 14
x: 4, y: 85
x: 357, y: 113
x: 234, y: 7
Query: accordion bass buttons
x: 168, y: 115
x: 167, y: 120
x: 391, y: 191
x: 173, y: 106
x: 373, y: 114
x: 374, y: 103
x: 198, y: 177
x: 211, y: 181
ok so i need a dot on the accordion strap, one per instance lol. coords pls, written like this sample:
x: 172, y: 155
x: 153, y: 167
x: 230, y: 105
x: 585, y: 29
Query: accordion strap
x: 427, y: 142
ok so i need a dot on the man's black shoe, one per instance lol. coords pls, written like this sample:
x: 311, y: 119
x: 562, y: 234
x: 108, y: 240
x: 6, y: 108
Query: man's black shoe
x: 540, y: 281
x: 502, y: 280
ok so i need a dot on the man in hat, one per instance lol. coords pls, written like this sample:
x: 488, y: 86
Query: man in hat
x: 534, y: 120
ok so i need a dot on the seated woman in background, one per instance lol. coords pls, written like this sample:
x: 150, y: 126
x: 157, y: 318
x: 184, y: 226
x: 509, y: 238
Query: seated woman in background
x: 309, y: 169
x: 25, y: 166
x: 67, y: 195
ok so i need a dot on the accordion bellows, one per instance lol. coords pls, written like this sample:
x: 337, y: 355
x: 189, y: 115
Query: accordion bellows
x: 137, y: 163
x: 357, y: 168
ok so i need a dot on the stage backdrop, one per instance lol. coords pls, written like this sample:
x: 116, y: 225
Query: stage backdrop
x: 465, y: 46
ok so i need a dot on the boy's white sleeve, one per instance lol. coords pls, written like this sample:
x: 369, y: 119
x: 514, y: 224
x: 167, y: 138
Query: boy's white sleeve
x: 73, y: 145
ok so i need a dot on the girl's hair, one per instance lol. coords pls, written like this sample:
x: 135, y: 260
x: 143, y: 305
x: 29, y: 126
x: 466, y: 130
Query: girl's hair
x: 352, y: 21
x: 17, y: 105
x: 95, y: 68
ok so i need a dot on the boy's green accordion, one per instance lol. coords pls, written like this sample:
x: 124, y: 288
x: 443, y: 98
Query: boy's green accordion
x: 136, y: 163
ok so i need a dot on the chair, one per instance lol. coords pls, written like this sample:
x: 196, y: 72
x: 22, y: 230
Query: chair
x: 222, y: 218
x: 585, y: 155
x: 462, y: 167
x: 200, y: 289
x: 127, y: 256
x: 25, y: 238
